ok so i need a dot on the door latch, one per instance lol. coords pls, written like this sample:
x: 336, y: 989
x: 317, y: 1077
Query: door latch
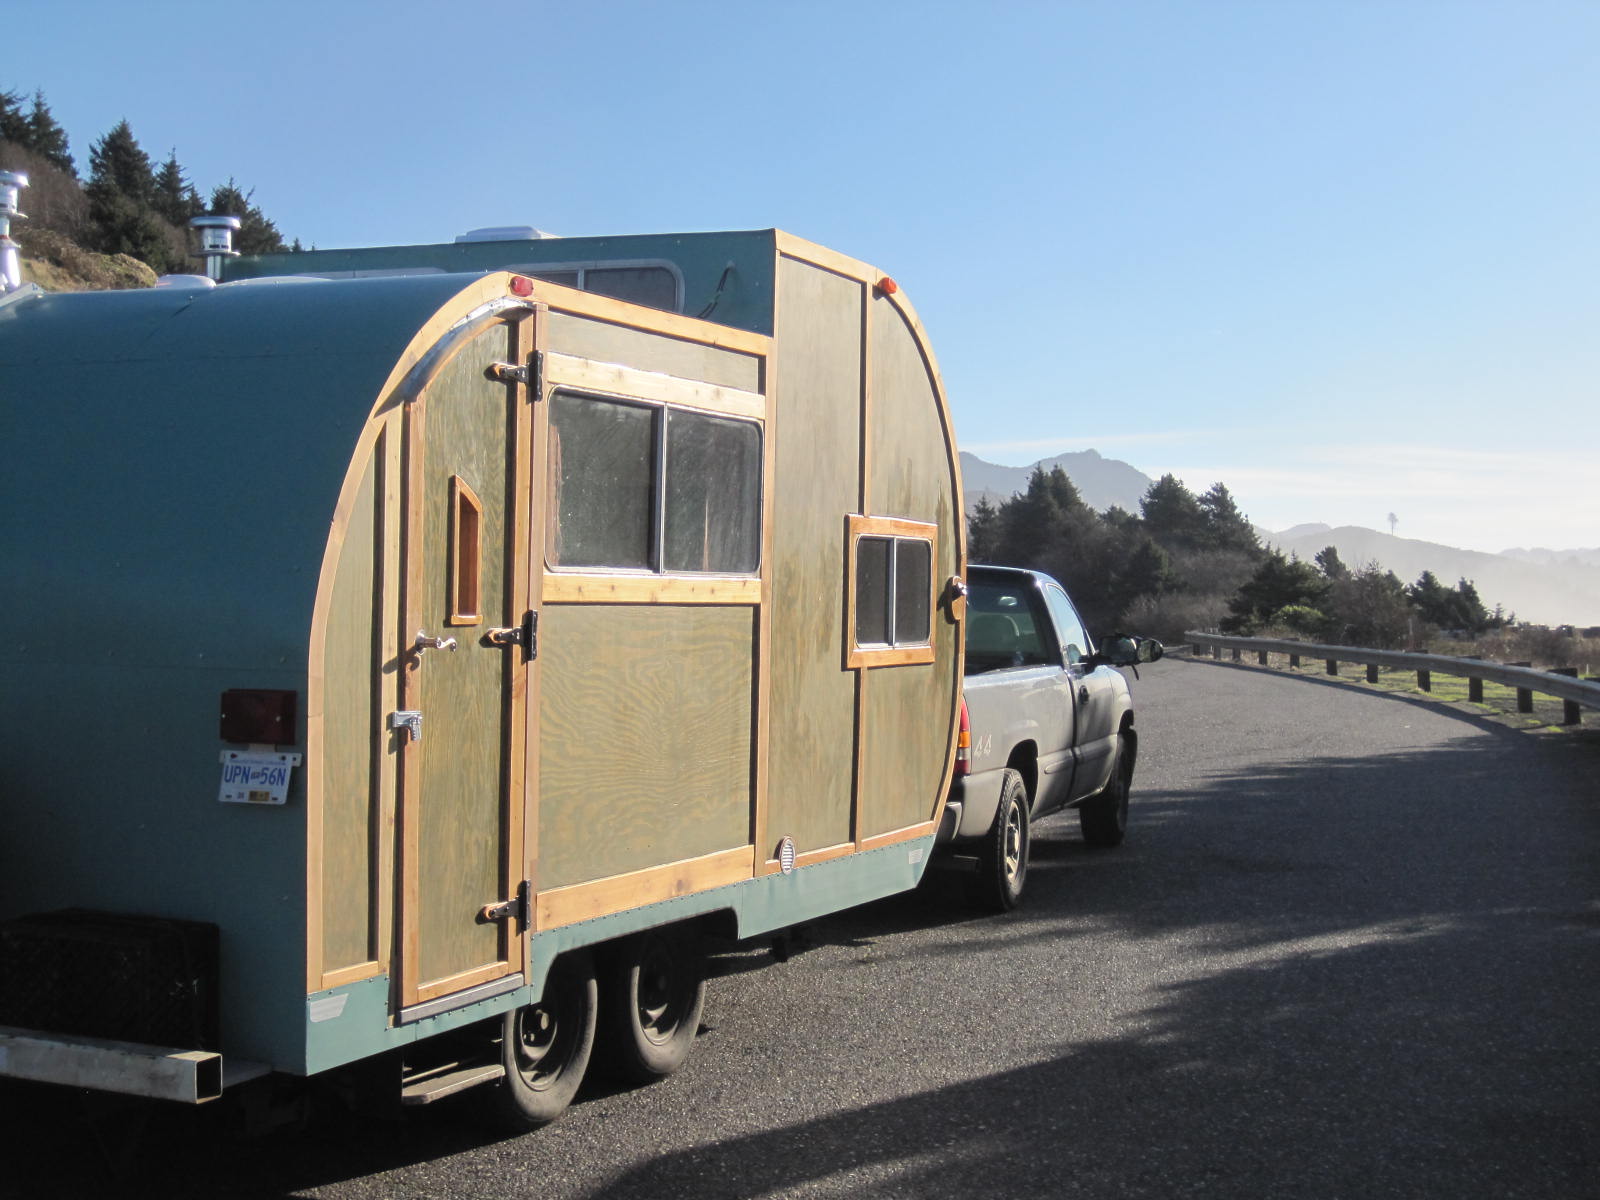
x: 525, y: 635
x: 410, y: 721
x: 424, y: 643
x: 516, y: 907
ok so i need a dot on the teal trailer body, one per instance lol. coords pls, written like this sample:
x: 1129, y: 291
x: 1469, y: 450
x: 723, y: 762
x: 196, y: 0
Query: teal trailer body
x: 352, y: 492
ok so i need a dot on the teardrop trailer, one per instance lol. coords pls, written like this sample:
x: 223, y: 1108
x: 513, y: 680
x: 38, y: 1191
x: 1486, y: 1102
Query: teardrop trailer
x: 417, y: 649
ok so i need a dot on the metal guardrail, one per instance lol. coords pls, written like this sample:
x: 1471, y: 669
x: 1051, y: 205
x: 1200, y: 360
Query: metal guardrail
x: 1574, y: 693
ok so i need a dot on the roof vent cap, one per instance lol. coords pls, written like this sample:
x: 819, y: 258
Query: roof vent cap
x: 11, y: 185
x: 216, y: 241
x: 505, y: 233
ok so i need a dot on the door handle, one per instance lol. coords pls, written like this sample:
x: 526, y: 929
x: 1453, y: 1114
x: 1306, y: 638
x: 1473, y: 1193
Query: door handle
x: 1083, y: 693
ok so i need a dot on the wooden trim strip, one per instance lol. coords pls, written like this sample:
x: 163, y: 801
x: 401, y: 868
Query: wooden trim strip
x: 909, y: 834
x: 614, y: 379
x: 596, y: 588
x: 652, y: 320
x: 825, y: 854
x: 790, y: 246
x: 346, y: 975
x: 585, y: 901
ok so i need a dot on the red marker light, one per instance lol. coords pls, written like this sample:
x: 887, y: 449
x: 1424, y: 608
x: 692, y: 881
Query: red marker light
x: 521, y: 285
x: 886, y: 287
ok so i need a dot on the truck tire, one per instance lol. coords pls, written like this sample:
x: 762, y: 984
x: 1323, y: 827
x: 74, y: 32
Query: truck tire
x: 1003, y: 860
x: 1104, y: 820
x: 653, y: 991
x: 545, y: 1047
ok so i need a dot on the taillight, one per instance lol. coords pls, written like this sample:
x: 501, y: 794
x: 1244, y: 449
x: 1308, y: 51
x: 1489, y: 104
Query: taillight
x: 260, y: 716
x: 964, y: 743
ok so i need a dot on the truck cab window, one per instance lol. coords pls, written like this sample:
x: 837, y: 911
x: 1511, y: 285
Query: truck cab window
x: 1001, y: 629
x: 1075, y: 644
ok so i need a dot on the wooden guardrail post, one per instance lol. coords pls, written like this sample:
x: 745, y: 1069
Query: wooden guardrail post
x: 1333, y: 666
x: 1524, y: 695
x: 1475, y: 689
x: 1237, y: 654
x: 1294, y: 662
x: 1372, y: 672
x: 1425, y: 679
x: 1571, y: 710
x: 1216, y: 653
x: 1261, y: 657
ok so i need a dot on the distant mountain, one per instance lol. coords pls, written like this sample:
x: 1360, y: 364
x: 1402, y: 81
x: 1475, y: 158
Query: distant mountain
x: 1102, y: 482
x: 1557, y: 558
x: 1552, y: 591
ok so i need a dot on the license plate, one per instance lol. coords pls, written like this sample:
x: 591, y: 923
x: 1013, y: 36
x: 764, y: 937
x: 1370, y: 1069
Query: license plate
x: 256, y: 776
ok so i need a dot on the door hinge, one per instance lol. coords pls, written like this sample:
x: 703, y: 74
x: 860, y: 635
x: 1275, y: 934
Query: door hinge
x: 517, y: 907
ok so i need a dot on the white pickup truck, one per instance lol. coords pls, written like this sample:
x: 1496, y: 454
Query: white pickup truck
x: 1046, y: 724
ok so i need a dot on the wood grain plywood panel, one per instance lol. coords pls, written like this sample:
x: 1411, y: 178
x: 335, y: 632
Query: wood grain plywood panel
x: 644, y: 351
x: 815, y: 426
x: 349, y: 723
x: 459, y: 847
x: 644, y: 735
x: 908, y: 709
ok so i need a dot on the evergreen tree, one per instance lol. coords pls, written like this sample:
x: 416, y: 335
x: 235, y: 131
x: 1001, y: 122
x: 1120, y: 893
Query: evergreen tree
x: 1225, y: 527
x: 1369, y: 607
x: 257, y: 234
x: 983, y: 525
x: 46, y: 138
x: 1278, y: 583
x: 13, y: 122
x: 175, y: 197
x: 1330, y: 564
x: 119, y: 167
x: 1172, y: 515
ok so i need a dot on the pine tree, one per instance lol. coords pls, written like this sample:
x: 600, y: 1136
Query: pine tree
x: 1225, y: 527
x: 46, y: 138
x: 1330, y: 564
x: 257, y: 234
x: 119, y: 167
x: 983, y: 524
x: 13, y: 123
x: 1279, y: 583
x: 175, y: 197
x: 1172, y: 515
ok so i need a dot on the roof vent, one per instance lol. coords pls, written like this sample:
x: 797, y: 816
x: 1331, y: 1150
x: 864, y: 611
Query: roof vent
x: 505, y: 233
x: 11, y: 185
x: 216, y: 241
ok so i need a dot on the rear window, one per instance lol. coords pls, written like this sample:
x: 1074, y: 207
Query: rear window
x: 1002, y: 630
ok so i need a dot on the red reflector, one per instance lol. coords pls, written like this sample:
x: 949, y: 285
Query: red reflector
x: 262, y: 716
x: 886, y: 286
x: 964, y: 743
x: 521, y: 285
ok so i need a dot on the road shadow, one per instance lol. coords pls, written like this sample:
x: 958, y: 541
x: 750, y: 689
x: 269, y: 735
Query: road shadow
x: 1399, y: 996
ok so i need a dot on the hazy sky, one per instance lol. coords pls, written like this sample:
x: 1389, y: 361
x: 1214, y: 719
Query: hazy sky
x: 1343, y: 257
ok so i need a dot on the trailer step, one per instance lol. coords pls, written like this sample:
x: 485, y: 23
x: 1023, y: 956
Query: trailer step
x: 447, y: 1081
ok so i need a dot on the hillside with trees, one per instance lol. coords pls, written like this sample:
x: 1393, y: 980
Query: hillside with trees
x: 127, y: 222
x: 1195, y: 562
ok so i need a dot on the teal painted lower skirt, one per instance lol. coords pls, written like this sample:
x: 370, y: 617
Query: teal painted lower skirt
x: 353, y: 1022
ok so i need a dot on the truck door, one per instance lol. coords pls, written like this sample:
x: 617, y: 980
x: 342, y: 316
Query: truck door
x: 1094, y: 694
x: 463, y: 682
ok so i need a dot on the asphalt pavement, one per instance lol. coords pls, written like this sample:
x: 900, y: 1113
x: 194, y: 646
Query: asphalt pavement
x: 1351, y: 948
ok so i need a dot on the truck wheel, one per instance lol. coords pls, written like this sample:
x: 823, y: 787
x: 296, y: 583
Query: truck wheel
x: 654, y: 992
x: 1003, y: 862
x: 545, y: 1047
x: 1104, y: 820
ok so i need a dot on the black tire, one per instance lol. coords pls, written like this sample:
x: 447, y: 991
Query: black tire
x: 1003, y: 861
x: 545, y: 1047
x: 654, y: 990
x: 1104, y: 820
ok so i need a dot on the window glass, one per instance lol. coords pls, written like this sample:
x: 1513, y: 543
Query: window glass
x: 872, y: 591
x: 564, y: 278
x: 1074, y: 638
x: 602, y: 474
x: 913, y: 590
x: 713, y: 476
x: 655, y: 286
x: 1001, y: 630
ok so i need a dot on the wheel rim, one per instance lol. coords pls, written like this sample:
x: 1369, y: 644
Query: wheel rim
x: 543, y: 1045
x: 1013, y: 843
x: 662, y: 997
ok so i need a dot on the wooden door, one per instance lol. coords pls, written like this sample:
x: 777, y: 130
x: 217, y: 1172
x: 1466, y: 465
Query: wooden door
x: 463, y: 680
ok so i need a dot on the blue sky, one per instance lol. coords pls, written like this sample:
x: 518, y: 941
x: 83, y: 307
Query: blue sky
x: 1343, y: 257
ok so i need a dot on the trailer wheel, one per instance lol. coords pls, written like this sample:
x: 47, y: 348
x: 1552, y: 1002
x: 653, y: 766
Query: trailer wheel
x: 654, y: 992
x: 1003, y: 861
x: 1104, y: 820
x: 545, y: 1047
